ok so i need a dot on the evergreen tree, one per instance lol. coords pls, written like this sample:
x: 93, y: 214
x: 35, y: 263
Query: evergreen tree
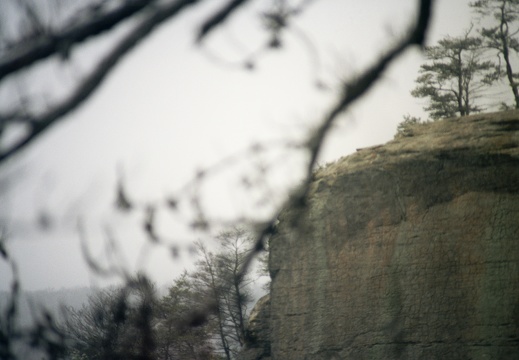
x: 502, y: 36
x: 454, y: 76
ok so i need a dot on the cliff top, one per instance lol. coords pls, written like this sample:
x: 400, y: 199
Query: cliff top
x: 490, y: 133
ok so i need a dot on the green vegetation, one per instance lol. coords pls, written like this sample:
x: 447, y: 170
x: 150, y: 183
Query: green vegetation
x: 404, y: 127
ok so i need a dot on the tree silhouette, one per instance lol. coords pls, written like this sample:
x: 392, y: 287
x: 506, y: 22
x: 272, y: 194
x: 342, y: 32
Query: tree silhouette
x: 502, y: 36
x: 116, y: 323
x: 219, y: 278
x: 454, y: 76
x: 174, y: 342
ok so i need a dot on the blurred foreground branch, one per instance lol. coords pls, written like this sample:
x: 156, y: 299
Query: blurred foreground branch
x: 148, y: 14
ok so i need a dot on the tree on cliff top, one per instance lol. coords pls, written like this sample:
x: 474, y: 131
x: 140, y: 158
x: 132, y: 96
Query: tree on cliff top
x: 502, y: 36
x: 454, y: 76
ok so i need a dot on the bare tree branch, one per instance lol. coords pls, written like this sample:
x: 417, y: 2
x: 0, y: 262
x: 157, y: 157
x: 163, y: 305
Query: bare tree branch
x: 91, y: 82
x: 354, y: 90
x: 46, y: 45
x: 219, y: 17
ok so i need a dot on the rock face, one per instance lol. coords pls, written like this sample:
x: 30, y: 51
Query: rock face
x: 406, y: 251
x: 258, y: 332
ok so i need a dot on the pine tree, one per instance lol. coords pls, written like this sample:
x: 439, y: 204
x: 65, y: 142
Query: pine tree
x: 454, y: 76
x: 502, y: 37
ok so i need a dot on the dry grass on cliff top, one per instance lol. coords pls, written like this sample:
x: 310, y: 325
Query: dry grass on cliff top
x: 492, y: 133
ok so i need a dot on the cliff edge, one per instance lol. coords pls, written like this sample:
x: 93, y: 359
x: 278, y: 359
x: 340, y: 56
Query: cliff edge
x: 408, y: 250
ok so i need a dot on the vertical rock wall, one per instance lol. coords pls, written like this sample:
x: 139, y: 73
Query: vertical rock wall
x: 406, y: 251
x: 258, y: 332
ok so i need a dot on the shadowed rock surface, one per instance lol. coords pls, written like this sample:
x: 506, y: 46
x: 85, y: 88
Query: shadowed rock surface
x: 258, y: 332
x: 408, y: 250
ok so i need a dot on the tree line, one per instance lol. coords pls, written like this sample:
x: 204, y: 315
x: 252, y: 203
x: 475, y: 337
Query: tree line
x: 202, y: 315
x: 459, y: 70
x: 133, y: 322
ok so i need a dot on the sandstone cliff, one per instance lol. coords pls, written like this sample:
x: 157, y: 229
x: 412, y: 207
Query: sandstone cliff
x: 406, y: 251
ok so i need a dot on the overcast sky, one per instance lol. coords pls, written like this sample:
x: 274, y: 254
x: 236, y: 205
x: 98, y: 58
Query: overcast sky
x: 171, y: 108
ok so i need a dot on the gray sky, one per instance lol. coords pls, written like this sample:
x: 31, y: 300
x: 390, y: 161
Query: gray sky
x: 171, y: 108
